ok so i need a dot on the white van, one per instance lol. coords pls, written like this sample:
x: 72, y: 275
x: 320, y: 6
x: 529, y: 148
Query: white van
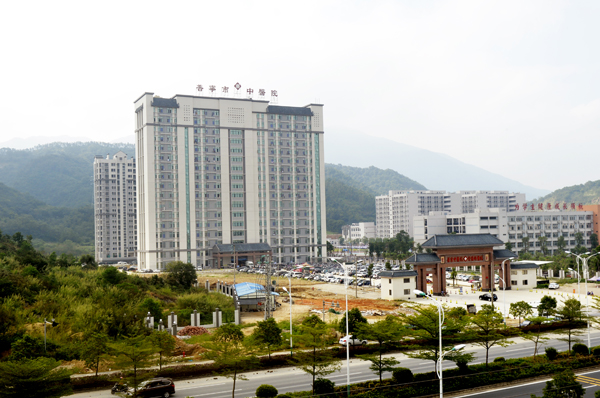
x: 249, y: 264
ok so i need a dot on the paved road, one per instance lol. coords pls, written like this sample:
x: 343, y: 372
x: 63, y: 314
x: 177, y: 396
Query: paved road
x: 589, y: 380
x: 293, y: 379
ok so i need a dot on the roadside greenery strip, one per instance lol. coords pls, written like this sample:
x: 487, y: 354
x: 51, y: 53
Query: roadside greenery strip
x: 464, y: 378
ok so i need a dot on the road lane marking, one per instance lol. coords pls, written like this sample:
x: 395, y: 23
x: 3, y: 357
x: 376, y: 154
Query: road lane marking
x: 589, y: 380
x: 213, y: 393
x: 200, y: 385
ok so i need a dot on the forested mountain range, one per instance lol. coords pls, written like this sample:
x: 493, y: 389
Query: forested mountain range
x: 50, y: 226
x: 587, y: 194
x: 371, y: 179
x: 58, y: 174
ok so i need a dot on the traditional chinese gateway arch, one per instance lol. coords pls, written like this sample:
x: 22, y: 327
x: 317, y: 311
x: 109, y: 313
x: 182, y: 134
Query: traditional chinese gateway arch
x: 451, y: 251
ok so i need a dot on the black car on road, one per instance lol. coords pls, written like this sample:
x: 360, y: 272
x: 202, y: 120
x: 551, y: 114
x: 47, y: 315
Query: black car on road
x: 157, y: 387
x: 488, y: 297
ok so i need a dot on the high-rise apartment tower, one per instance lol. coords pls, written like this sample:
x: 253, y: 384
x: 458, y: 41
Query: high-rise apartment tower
x: 115, y: 208
x: 228, y: 171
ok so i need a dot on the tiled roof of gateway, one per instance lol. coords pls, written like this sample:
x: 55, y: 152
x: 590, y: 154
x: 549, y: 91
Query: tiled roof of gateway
x: 242, y: 247
x: 289, y: 110
x: 524, y: 266
x: 422, y: 258
x: 503, y: 253
x: 165, y: 102
x: 397, y: 274
x: 462, y: 240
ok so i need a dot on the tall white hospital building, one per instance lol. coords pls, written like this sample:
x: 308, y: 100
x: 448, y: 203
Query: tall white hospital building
x: 228, y: 171
x: 115, y: 208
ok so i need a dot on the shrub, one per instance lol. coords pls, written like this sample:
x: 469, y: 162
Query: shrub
x: 499, y: 359
x: 596, y: 351
x: 266, y: 391
x: 580, y: 349
x: 402, y: 375
x: 463, y: 365
x: 551, y: 353
x: 324, y: 386
x: 284, y: 396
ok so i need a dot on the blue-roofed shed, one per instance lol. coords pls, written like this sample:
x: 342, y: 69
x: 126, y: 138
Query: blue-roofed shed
x: 252, y: 296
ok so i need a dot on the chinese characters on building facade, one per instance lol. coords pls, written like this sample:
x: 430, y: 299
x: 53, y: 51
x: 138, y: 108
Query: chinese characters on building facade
x: 237, y: 86
x: 540, y: 206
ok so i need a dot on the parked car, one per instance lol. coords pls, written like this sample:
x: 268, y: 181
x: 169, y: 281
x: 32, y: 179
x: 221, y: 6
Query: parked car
x: 553, y: 285
x: 488, y: 297
x: 352, y: 341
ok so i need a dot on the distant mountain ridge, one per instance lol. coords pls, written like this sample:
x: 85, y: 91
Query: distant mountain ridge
x: 434, y: 170
x: 587, y: 194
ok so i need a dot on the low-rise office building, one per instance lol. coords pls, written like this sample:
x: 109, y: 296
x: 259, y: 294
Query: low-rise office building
x: 534, y: 231
x: 523, y: 275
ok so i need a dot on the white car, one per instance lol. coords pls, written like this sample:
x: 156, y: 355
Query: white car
x: 553, y: 285
x: 352, y: 341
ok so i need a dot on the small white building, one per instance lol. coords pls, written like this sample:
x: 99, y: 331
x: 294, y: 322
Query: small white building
x: 358, y: 230
x: 398, y: 285
x: 523, y: 275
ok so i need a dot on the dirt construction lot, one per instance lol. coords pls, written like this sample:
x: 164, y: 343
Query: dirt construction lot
x: 308, y: 297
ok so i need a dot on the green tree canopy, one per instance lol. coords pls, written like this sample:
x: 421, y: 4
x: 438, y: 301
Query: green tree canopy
x: 355, y: 319
x: 34, y: 378
x: 181, y: 275
x: 268, y: 334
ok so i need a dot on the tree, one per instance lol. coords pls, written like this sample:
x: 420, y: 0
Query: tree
x: 419, y: 248
x: 268, y: 334
x: 33, y: 378
x: 579, y: 241
x: 229, y: 333
x: 383, y: 332
x: 536, y: 337
x: 547, y: 306
x: 425, y: 325
x: 560, y: 243
x: 355, y: 319
x: 453, y: 275
x: 153, y: 307
x: 525, y: 242
x: 520, y: 309
x: 508, y: 246
x: 572, y: 314
x: 487, y: 332
x: 370, y: 273
x: 94, y: 349
x: 180, y: 274
x: 112, y: 276
x: 593, y: 241
x: 232, y: 355
x: 163, y: 344
x: 133, y: 353
x: 388, y: 266
x: 316, y: 360
x: 563, y: 385
x: 543, y: 240
x: 330, y: 248
x: 88, y: 261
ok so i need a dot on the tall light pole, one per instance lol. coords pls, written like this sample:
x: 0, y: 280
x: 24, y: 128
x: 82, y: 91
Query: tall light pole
x: 290, y: 294
x: 585, y: 269
x: 504, y: 288
x: 441, y: 353
x: 345, y: 267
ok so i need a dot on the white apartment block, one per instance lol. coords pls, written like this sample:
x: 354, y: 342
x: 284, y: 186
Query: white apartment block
x: 358, y: 231
x: 115, y: 220
x: 396, y: 210
x: 511, y: 227
x: 228, y: 170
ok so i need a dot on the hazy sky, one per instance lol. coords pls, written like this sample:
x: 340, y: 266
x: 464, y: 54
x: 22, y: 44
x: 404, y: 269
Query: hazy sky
x: 512, y: 87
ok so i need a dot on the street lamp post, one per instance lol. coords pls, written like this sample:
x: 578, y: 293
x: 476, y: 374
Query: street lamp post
x: 345, y: 267
x: 290, y: 294
x: 442, y: 354
x: 585, y: 270
x: 504, y: 288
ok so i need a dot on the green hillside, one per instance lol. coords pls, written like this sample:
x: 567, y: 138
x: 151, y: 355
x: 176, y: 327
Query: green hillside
x: 53, y: 225
x: 351, y: 192
x: 371, y: 179
x: 58, y: 174
x: 587, y: 194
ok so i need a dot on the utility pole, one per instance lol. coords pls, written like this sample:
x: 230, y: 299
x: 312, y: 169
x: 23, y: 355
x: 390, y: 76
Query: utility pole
x: 268, y: 288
